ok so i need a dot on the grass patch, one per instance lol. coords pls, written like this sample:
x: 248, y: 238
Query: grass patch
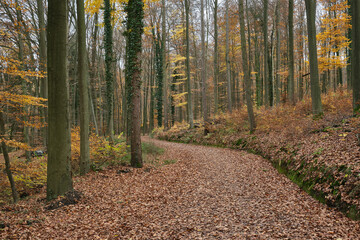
x: 169, y: 161
x: 150, y: 148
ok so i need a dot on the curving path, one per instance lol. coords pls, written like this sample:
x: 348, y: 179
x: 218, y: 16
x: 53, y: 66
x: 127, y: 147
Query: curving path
x: 209, y: 193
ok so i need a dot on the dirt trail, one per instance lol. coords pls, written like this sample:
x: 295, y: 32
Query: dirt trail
x: 209, y: 193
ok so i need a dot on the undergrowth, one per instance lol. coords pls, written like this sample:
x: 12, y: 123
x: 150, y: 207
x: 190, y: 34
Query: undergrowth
x: 30, y: 177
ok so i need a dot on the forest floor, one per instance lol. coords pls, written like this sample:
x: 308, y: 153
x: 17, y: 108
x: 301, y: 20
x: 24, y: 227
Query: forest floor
x: 199, y: 193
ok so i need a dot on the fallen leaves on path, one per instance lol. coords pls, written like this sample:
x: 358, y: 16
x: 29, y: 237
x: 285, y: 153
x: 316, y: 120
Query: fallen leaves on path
x: 209, y: 193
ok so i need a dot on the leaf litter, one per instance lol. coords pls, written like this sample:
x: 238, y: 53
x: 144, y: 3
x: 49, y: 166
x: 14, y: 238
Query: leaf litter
x: 208, y: 193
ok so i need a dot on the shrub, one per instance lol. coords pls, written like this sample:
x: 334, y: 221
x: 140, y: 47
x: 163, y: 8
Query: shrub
x: 102, y: 152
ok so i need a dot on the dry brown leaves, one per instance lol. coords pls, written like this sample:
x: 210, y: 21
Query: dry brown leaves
x: 209, y: 193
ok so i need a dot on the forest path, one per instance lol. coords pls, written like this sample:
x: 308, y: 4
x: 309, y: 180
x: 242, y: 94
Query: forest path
x: 209, y: 193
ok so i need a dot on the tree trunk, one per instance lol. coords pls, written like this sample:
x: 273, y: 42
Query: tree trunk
x: 291, y: 82
x: 227, y: 59
x: 59, y: 141
x: 134, y: 31
x: 24, y: 83
x: 163, y: 52
x: 258, y: 80
x: 266, y: 54
x: 83, y: 89
x: 314, y: 70
x: 246, y: 68
x: 203, y: 64
x: 93, y: 73
x: 109, y: 76
x: 216, y: 61
x: 349, y: 51
x: 187, y: 63
x: 355, y: 9
x: 159, y: 79
x: 4, y: 149
x: 42, y: 67
x: 277, y: 80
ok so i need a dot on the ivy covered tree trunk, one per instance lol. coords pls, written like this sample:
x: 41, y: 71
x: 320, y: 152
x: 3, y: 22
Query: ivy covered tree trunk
x: 59, y: 142
x: 355, y: 9
x: 109, y: 69
x: 84, y: 90
x: 246, y: 70
x: 134, y: 31
x: 159, y: 79
x: 173, y: 92
x: 349, y: 51
x: 163, y: 52
x: 314, y: 70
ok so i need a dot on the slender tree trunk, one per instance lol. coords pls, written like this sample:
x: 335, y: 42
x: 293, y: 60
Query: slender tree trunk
x: 152, y: 95
x: 59, y: 142
x: 349, y: 51
x: 216, y: 57
x: 203, y: 64
x: 227, y: 59
x: 163, y: 52
x: 355, y: 9
x: 258, y: 80
x: 20, y: 23
x: 301, y: 60
x: 277, y: 80
x: 42, y: 56
x: 94, y: 73
x: 314, y: 70
x: 247, y: 78
x: 134, y: 31
x: 4, y: 149
x: 187, y: 63
x: 266, y: 54
x: 173, y: 92
x: 84, y: 90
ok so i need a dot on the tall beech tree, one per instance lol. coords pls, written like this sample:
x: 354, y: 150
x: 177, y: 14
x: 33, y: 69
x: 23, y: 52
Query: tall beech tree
x: 227, y: 58
x: 59, y: 147
x: 216, y: 58
x: 314, y: 70
x: 266, y: 54
x: 42, y: 58
x: 84, y: 90
x: 291, y: 82
x: 187, y: 65
x: 278, y: 60
x: 203, y: 66
x: 134, y: 31
x: 355, y: 34
x: 246, y: 70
